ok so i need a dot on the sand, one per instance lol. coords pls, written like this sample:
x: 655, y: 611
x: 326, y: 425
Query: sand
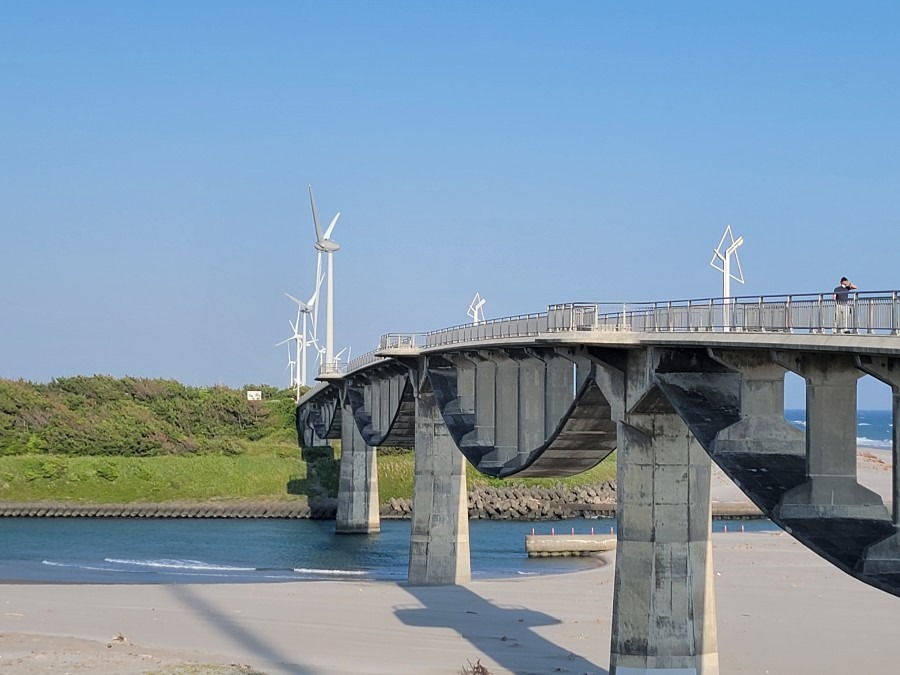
x: 781, y: 609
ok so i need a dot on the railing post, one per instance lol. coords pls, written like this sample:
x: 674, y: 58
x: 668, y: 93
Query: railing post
x: 788, y: 317
x: 821, y: 328
x: 895, y: 314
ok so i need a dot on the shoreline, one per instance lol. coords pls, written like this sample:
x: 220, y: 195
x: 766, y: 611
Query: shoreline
x: 780, y: 609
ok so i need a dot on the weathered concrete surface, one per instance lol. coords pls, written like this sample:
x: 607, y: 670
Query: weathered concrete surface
x: 357, y: 508
x: 439, y: 539
x: 664, y: 618
x: 540, y: 545
x: 883, y: 557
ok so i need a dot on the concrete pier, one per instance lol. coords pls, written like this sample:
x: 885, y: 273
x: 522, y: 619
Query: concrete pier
x: 439, y: 539
x: 664, y: 616
x: 357, y: 509
x: 832, y: 489
x: 884, y: 557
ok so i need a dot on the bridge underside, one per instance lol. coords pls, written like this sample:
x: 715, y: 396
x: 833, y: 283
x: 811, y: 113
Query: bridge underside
x: 557, y: 411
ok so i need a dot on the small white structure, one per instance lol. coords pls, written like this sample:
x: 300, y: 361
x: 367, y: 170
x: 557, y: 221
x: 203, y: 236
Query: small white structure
x: 254, y: 395
x: 476, y: 311
x: 721, y: 260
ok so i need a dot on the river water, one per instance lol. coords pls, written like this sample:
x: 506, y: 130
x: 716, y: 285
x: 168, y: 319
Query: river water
x: 138, y: 550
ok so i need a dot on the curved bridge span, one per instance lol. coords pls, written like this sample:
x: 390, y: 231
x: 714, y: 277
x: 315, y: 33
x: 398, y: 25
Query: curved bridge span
x: 670, y: 386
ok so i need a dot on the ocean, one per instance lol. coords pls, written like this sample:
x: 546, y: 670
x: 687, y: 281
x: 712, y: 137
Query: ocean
x: 874, y: 428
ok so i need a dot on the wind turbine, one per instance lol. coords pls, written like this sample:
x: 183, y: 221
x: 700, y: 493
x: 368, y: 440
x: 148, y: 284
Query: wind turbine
x: 324, y: 244
x: 721, y: 261
x: 475, y: 309
x: 298, y: 376
x: 307, y: 336
x: 290, y: 363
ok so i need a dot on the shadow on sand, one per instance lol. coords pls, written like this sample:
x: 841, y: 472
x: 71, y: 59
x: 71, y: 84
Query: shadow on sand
x: 503, y: 634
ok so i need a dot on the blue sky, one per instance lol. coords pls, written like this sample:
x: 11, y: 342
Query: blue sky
x: 154, y: 159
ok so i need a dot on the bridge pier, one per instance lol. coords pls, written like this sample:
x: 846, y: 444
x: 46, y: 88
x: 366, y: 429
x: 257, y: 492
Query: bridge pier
x: 439, y: 538
x: 664, y: 615
x: 832, y: 489
x: 357, y: 507
x: 762, y: 452
x: 884, y: 556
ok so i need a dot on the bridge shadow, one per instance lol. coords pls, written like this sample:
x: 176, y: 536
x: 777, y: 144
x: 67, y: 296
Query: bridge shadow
x: 254, y: 645
x: 503, y: 634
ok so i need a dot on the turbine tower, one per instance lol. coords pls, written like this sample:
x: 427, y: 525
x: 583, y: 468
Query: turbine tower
x: 307, y: 336
x: 475, y: 309
x: 721, y: 261
x: 324, y: 244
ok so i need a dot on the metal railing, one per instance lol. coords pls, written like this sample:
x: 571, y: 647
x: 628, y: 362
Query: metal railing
x: 865, y: 313
x: 411, y: 341
x: 332, y: 368
x: 524, y: 325
x: 870, y: 312
x: 366, y: 359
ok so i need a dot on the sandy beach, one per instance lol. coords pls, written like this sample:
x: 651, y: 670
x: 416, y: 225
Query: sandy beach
x: 781, y: 610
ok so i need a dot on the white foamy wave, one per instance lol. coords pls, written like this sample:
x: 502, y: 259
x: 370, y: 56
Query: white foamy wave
x: 178, y: 564
x: 51, y: 563
x: 801, y: 423
x: 339, y: 573
x: 864, y: 442
x: 864, y: 424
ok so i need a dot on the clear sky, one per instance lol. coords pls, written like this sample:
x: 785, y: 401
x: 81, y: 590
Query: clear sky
x: 154, y: 158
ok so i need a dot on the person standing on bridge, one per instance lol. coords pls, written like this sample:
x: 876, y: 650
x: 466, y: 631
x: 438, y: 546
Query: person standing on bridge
x: 843, y: 310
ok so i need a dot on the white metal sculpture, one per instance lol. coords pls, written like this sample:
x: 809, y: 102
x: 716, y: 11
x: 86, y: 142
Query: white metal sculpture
x: 476, y: 311
x: 324, y: 244
x: 721, y: 260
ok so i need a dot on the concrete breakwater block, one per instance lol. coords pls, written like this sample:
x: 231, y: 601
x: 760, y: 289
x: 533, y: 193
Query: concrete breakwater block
x: 546, y: 545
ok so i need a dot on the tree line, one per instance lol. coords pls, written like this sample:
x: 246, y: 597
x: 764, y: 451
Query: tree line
x: 139, y: 417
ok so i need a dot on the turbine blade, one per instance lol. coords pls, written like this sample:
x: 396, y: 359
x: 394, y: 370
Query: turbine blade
x: 331, y: 226
x: 312, y: 202
x: 302, y: 305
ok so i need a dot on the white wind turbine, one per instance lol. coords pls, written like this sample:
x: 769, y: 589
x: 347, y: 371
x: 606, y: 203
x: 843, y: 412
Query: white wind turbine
x: 298, y: 375
x: 475, y: 309
x: 324, y: 244
x: 307, y: 336
x: 290, y: 362
x: 721, y: 261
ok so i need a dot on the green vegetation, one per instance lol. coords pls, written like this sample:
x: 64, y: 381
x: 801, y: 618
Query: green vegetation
x: 105, y: 440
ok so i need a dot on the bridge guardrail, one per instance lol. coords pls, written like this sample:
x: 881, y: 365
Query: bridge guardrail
x: 866, y: 312
x: 873, y: 312
x: 523, y: 325
x: 411, y: 341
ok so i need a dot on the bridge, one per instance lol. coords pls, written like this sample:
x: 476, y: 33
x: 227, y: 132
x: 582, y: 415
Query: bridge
x: 671, y: 387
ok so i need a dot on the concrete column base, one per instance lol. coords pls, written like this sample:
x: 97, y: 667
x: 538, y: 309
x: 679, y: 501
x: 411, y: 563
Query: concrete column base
x: 832, y: 497
x: 883, y: 557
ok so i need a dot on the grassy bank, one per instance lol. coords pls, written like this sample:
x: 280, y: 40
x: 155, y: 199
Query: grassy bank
x: 272, y: 472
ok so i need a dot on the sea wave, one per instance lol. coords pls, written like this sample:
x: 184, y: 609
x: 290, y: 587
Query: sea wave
x: 350, y: 573
x: 166, y: 563
x: 53, y: 563
x: 864, y: 442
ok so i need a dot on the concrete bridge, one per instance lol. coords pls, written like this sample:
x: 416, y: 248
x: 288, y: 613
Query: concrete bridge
x: 670, y: 386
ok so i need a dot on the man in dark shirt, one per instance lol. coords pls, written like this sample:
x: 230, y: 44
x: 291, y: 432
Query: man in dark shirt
x: 843, y: 310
